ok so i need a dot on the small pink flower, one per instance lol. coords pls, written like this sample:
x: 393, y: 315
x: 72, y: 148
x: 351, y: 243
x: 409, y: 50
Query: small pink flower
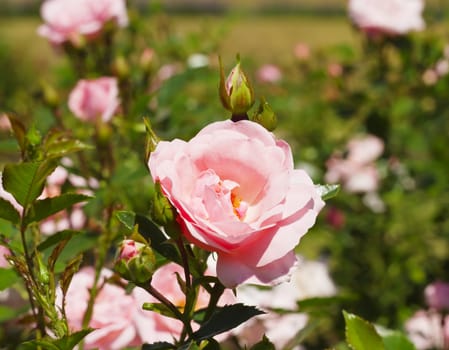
x: 237, y: 194
x: 3, y: 252
x: 67, y: 20
x: 269, y: 73
x: 357, y: 171
x: 390, y: 17
x: 129, y: 249
x: 95, y: 99
x: 336, y: 218
x: 4, y: 123
x: 302, y: 51
x: 334, y: 70
x: 437, y: 296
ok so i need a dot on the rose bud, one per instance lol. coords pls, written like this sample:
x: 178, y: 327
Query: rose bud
x: 136, y: 261
x: 236, y: 92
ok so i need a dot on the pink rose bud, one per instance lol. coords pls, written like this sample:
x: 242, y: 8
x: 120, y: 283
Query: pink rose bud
x: 236, y: 193
x: 74, y: 20
x: 390, y: 17
x: 95, y: 99
x: 437, y: 295
x: 136, y: 261
x: 236, y: 92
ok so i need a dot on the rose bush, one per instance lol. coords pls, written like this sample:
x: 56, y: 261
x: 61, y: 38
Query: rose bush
x: 237, y: 193
x: 387, y: 16
x: 95, y: 99
x: 67, y: 20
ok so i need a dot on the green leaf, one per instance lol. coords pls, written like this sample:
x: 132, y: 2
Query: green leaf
x: 127, y: 218
x: 25, y: 181
x: 360, y: 334
x: 224, y: 319
x: 8, y: 212
x: 158, y: 346
x: 19, y: 132
x: 7, y: 278
x: 159, y: 241
x: 70, y: 341
x: 55, y: 239
x: 395, y: 340
x: 71, y: 268
x: 65, y: 343
x: 65, y: 147
x: 7, y: 313
x: 159, y: 308
x: 328, y: 191
x: 44, y: 208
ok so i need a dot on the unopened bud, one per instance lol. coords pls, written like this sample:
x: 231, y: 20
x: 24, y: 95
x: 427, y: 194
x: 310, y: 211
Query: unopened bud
x: 49, y: 94
x: 265, y: 116
x: 236, y: 92
x: 146, y: 59
x: 136, y: 261
x: 152, y: 139
x: 121, y: 67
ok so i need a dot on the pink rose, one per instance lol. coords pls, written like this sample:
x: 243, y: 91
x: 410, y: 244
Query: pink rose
x: 116, y: 315
x: 66, y: 20
x: 437, y: 295
x: 269, y: 73
x: 302, y: 51
x: 426, y: 331
x: 357, y: 171
x: 95, y: 99
x: 391, y: 17
x: 3, y: 252
x: 129, y: 249
x: 237, y: 194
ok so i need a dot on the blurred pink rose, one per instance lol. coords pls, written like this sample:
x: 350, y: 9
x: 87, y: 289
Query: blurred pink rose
x: 437, y: 296
x: 4, y: 123
x: 334, y: 70
x: 95, y: 99
x: 357, y: 172
x: 66, y: 20
x: 302, y: 51
x: 310, y: 279
x: 269, y: 73
x: 237, y: 193
x: 3, y: 262
x: 116, y: 315
x: 427, y: 331
x: 164, y: 280
x: 391, y: 17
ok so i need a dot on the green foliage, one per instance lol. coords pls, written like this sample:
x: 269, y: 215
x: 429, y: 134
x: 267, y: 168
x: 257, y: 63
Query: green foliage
x: 361, y: 335
x: 224, y: 319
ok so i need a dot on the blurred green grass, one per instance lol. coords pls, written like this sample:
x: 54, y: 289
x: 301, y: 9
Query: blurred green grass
x: 263, y: 38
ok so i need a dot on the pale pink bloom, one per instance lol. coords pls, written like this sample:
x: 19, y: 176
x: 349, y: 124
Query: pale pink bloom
x: 334, y: 70
x: 116, y: 315
x: 237, y: 193
x: 437, y: 296
x: 67, y: 20
x: 3, y: 252
x: 165, y: 281
x: 430, y: 77
x: 426, y: 331
x: 4, y: 122
x: 390, y: 17
x: 302, y: 51
x: 95, y: 99
x: 357, y: 172
x: 442, y: 67
x: 269, y: 73
x: 75, y: 219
